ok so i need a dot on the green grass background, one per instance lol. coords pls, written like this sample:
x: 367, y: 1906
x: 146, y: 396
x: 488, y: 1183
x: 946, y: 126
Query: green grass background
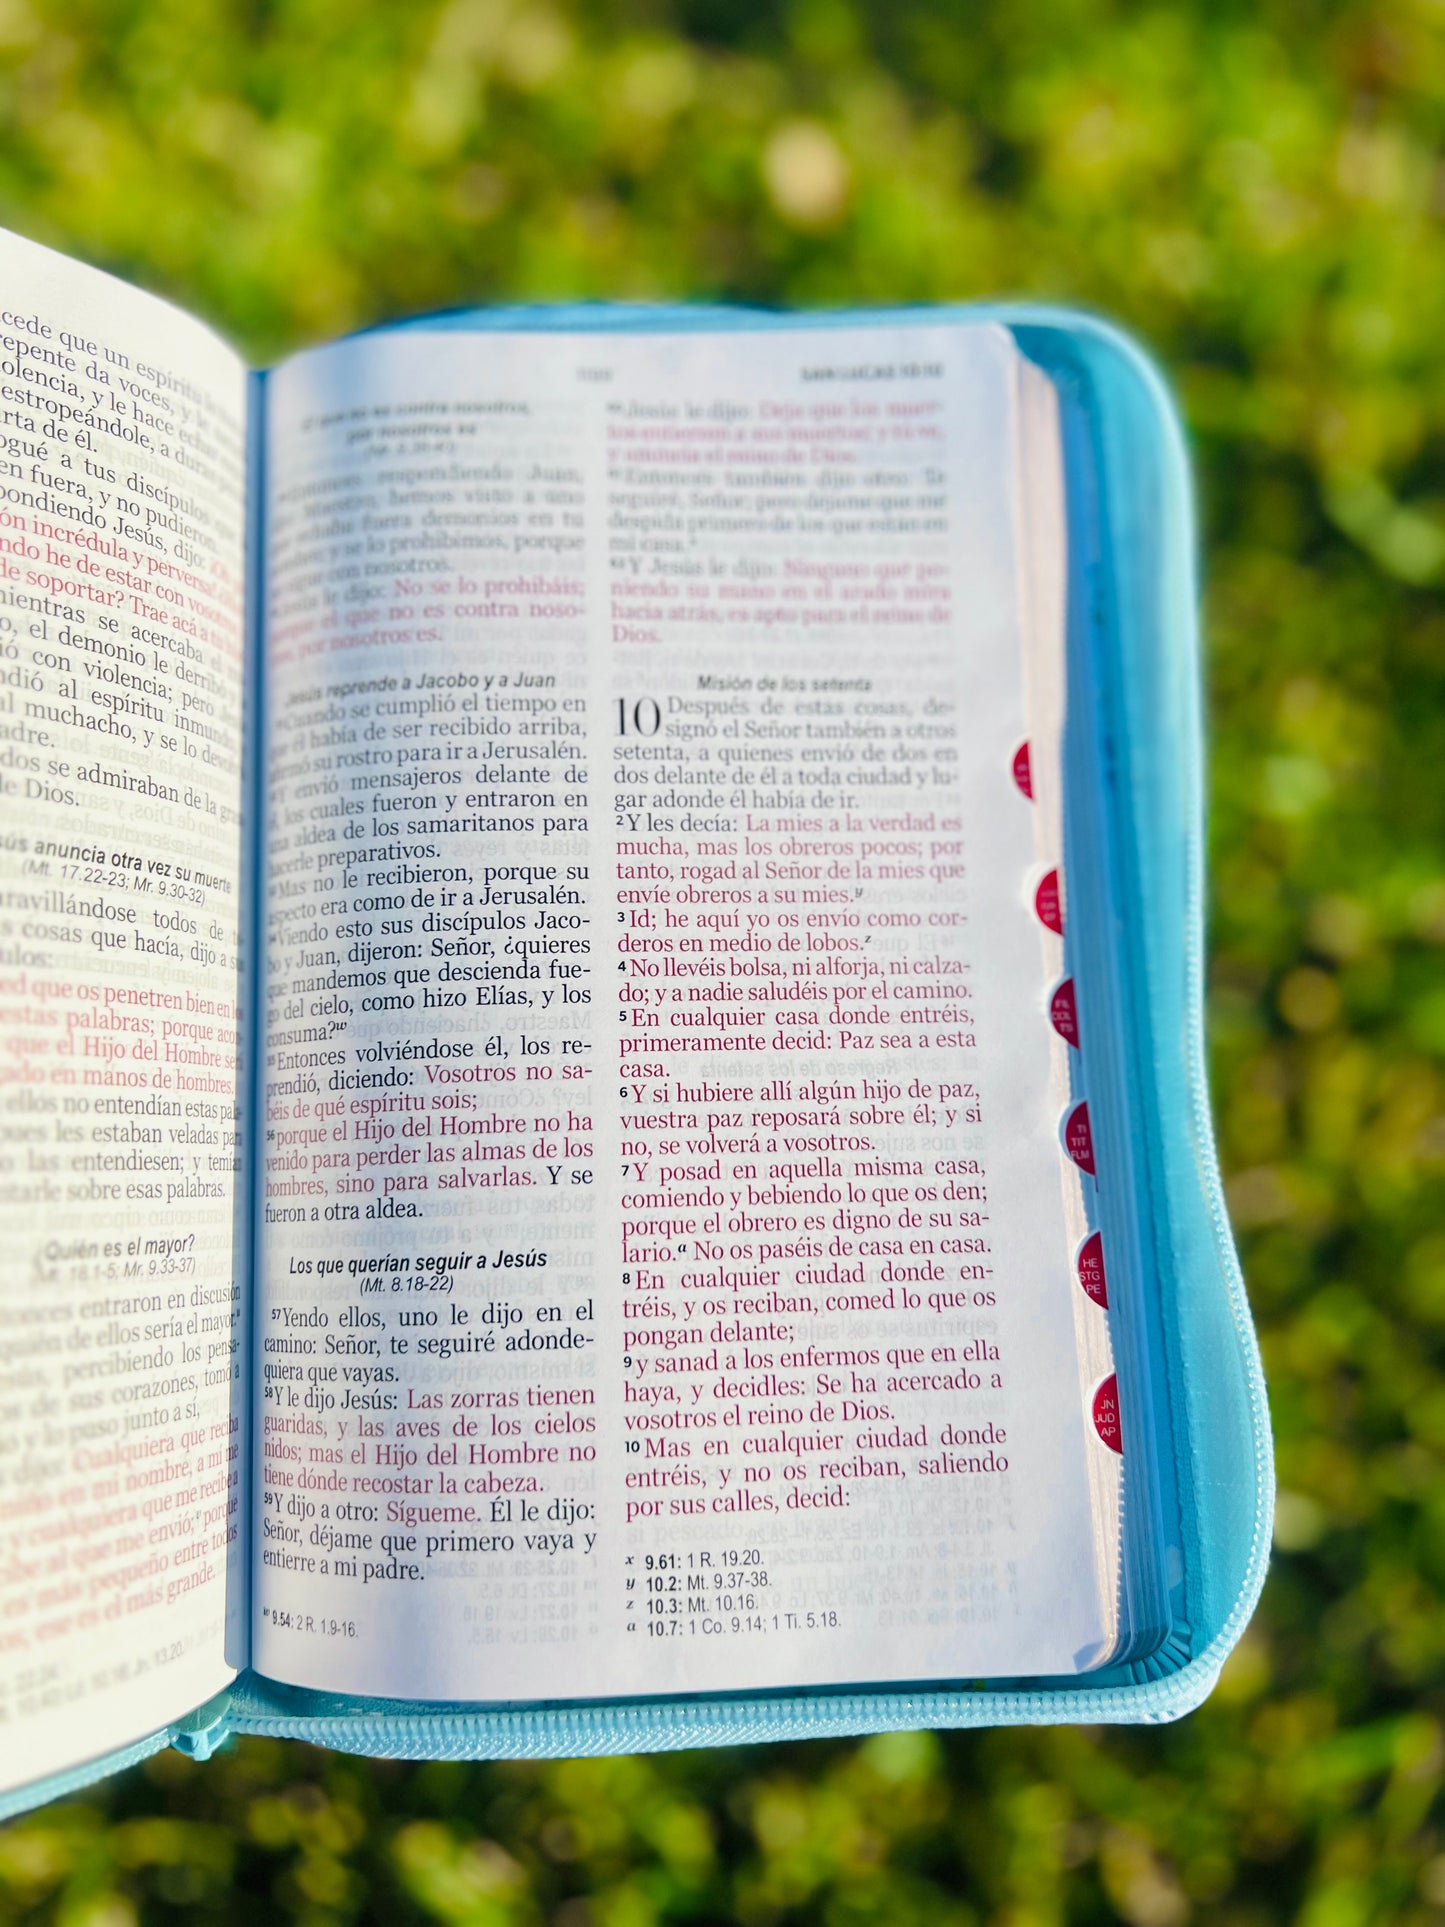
x: 1258, y: 191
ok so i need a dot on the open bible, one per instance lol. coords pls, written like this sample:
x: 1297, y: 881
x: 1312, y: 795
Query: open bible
x: 602, y: 1136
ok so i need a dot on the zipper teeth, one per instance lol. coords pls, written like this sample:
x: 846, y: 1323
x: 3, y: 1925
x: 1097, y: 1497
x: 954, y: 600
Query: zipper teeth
x: 576, y: 1732
x: 1205, y: 1151
x: 70, y: 1779
x: 1207, y: 1159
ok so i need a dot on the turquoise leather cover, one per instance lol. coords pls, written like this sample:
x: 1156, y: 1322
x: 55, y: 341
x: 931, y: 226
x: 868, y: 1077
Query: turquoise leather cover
x: 1135, y: 683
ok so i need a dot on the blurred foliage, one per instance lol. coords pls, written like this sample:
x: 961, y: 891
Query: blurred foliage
x: 1257, y: 189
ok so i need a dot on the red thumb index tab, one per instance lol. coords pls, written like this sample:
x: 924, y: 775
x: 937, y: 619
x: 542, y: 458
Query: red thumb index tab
x: 1106, y: 1414
x: 1023, y: 771
x: 1091, y: 1270
x: 1048, y: 904
x: 1079, y: 1139
x: 1064, y: 1012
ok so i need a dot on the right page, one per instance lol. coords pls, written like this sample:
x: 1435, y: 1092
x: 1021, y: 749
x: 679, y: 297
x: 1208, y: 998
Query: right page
x: 665, y: 1276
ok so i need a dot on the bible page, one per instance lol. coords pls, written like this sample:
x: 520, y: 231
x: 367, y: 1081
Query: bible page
x: 121, y: 542
x: 665, y: 1283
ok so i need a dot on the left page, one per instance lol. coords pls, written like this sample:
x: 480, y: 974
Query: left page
x: 121, y: 871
